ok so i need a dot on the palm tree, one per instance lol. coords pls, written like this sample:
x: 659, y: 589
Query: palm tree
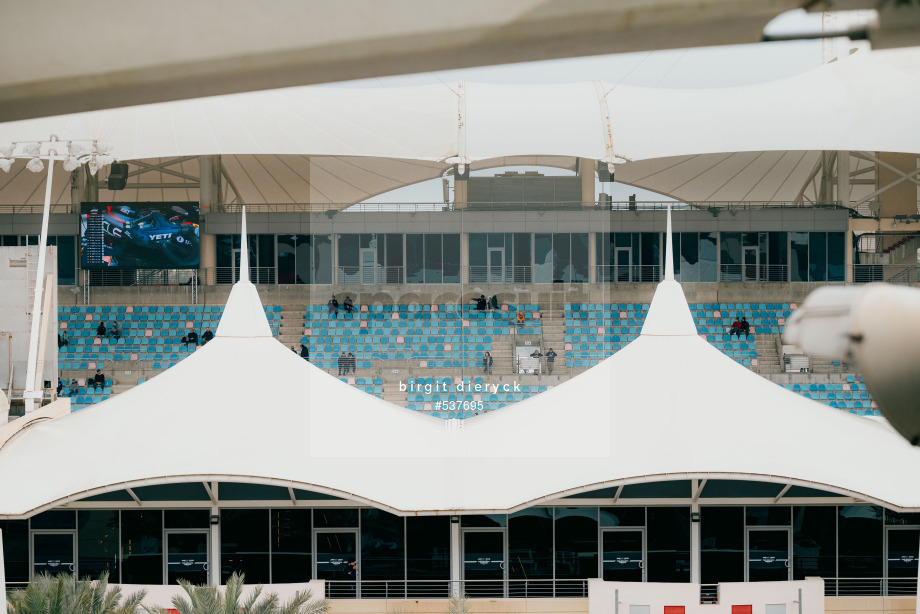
x: 64, y: 594
x: 209, y: 600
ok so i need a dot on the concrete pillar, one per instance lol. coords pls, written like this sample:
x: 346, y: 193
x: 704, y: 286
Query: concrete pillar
x: 455, y: 551
x: 460, y: 193
x: 90, y: 187
x: 77, y: 188
x: 695, y: 547
x: 207, y: 272
x: 464, y: 258
x: 214, y: 546
x: 209, y: 186
x: 592, y: 258
x: 585, y: 170
x: 843, y: 177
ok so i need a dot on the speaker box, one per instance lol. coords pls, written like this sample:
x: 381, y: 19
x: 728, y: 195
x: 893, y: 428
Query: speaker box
x: 118, y: 176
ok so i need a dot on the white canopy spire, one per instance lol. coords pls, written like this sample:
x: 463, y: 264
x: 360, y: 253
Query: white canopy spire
x: 669, y: 256
x: 244, y: 315
x: 244, y: 249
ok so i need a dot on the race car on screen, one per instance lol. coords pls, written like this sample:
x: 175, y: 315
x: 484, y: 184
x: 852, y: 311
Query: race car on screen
x: 146, y: 237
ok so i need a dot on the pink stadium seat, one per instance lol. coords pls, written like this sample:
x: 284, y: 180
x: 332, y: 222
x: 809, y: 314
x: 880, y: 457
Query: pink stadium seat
x: 89, y: 317
x: 568, y: 346
x: 512, y: 331
x: 133, y: 356
x: 793, y: 306
x: 364, y: 324
x: 400, y: 340
x: 63, y: 325
x: 189, y: 325
x: 600, y: 331
x: 466, y: 322
x: 148, y: 333
x: 448, y: 347
x: 364, y: 308
x: 97, y: 341
x: 423, y: 363
x: 717, y: 314
x: 434, y: 307
x: 504, y: 307
x: 307, y: 332
x: 622, y: 315
x: 129, y: 309
x: 395, y: 316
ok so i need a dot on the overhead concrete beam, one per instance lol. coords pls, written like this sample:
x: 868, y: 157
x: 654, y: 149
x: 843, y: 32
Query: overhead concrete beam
x: 104, y: 54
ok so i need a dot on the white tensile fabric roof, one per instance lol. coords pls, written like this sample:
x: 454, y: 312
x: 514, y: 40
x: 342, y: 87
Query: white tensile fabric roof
x: 343, y: 145
x: 245, y: 408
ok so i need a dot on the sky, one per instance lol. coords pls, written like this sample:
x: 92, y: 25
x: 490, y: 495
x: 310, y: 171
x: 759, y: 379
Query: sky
x: 705, y: 67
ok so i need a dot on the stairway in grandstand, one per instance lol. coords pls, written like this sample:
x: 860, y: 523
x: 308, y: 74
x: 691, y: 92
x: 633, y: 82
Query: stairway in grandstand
x: 423, y: 345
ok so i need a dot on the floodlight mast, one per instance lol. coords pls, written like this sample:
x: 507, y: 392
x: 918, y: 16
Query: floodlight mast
x: 32, y: 389
x: 98, y: 155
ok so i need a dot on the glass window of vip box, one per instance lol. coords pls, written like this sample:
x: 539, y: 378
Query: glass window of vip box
x: 432, y: 258
x: 97, y: 543
x: 754, y: 256
x: 817, y: 256
x: 624, y: 257
x: 695, y: 256
x: 153, y: 235
x: 142, y: 547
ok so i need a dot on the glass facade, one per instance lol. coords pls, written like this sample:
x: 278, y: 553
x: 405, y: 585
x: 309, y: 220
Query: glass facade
x: 542, y: 543
x: 624, y: 257
x: 432, y: 259
x: 620, y: 257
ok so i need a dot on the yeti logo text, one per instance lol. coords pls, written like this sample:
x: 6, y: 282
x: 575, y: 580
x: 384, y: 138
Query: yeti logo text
x: 163, y: 236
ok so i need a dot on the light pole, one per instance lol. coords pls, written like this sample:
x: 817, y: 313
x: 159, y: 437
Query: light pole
x: 90, y: 152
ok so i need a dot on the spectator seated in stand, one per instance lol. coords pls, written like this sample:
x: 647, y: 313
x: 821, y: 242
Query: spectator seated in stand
x: 207, y: 336
x: 100, y: 330
x: 735, y: 329
x: 745, y: 328
x: 114, y: 332
x: 192, y: 337
x: 520, y: 319
x: 99, y: 379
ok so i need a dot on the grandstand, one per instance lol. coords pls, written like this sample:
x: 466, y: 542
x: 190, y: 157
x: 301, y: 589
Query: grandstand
x: 660, y: 457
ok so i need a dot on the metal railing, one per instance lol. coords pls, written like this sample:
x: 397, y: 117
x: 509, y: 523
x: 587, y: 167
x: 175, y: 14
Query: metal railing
x: 525, y: 274
x: 870, y: 587
x: 754, y: 273
x: 628, y: 273
x: 441, y: 589
x: 891, y: 273
x: 139, y: 277
x: 367, y: 275
x: 436, y: 207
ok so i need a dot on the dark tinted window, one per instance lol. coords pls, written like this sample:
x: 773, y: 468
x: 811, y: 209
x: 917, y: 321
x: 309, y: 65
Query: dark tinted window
x: 291, y: 546
x: 576, y: 542
x: 382, y: 545
x: 97, y: 543
x: 16, y: 549
x: 668, y: 542
x: 860, y: 537
x: 530, y: 543
x: 187, y: 519
x: 814, y: 542
x: 142, y: 547
x: 335, y: 518
x: 722, y: 544
x: 55, y: 519
x: 244, y: 539
x: 428, y: 548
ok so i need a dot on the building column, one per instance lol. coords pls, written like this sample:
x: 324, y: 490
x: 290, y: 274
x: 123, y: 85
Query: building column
x: 455, y: 561
x: 464, y: 259
x: 214, y: 554
x: 585, y: 168
x: 207, y: 271
x: 460, y: 191
x: 592, y: 258
x: 77, y: 188
x: 695, y: 574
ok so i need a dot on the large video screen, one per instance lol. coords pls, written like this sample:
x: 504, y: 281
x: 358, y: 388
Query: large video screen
x: 139, y: 235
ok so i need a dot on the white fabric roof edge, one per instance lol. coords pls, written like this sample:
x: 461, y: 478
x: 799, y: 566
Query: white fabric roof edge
x: 860, y: 104
x: 550, y: 497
